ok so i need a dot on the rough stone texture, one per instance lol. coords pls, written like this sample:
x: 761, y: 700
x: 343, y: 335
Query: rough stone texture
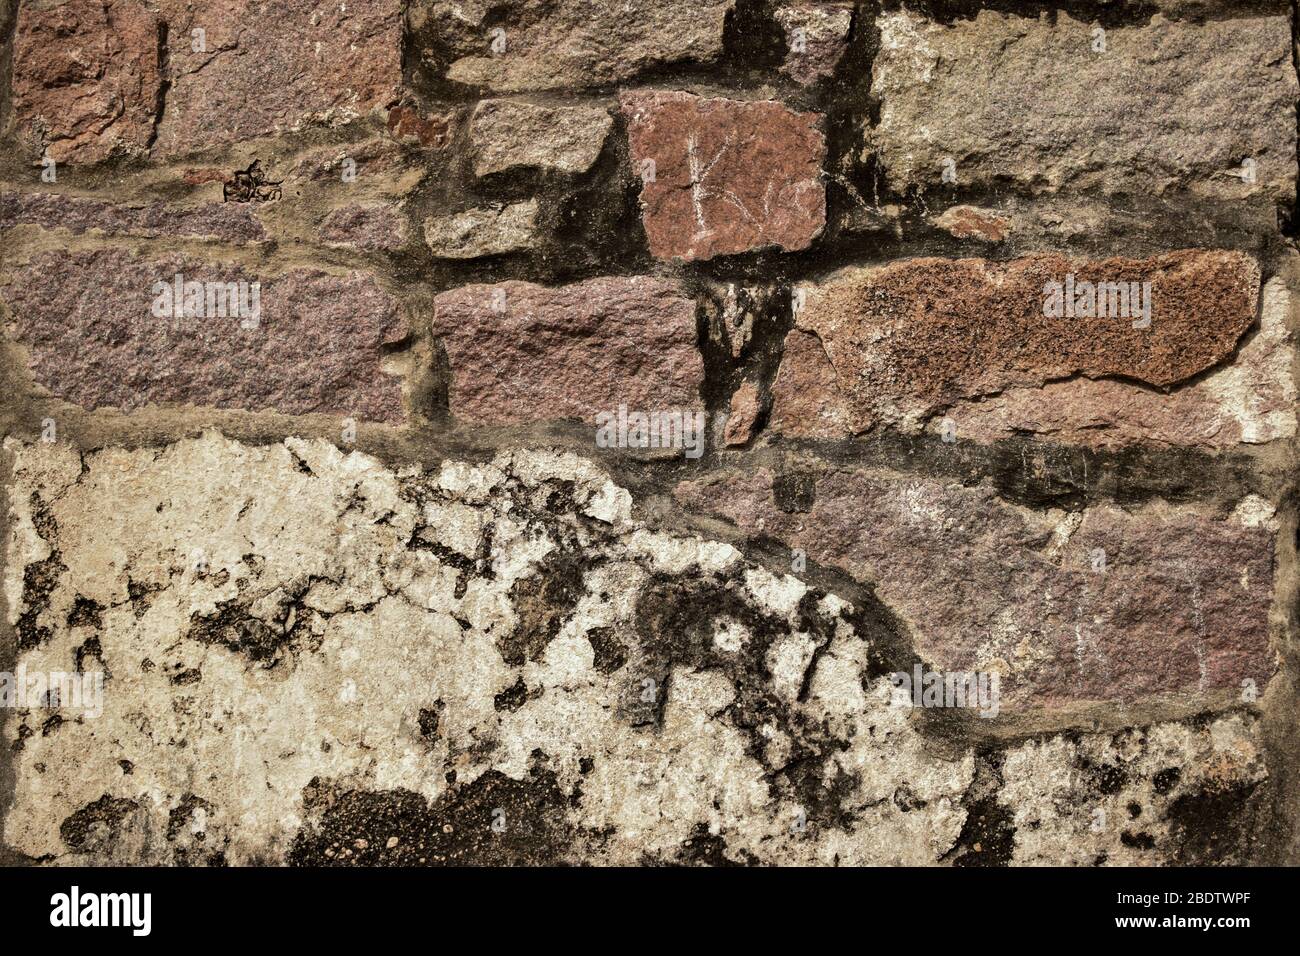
x: 1172, y: 793
x: 232, y: 222
x: 85, y: 321
x: 408, y: 125
x: 359, y: 672
x: 1179, y: 604
x: 973, y: 222
x: 728, y: 176
x: 746, y: 406
x: 520, y: 352
x: 486, y: 231
x: 1252, y: 400
x: 816, y: 36
x: 273, y: 65
x: 369, y: 583
x: 1030, y: 101
x: 898, y: 342
x: 86, y: 78
x: 510, y: 134
x: 365, y: 226
x: 561, y: 43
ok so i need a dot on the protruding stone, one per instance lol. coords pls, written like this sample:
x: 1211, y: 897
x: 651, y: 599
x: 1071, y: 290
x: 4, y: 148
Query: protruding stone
x: 746, y: 406
x: 304, y: 341
x: 1050, y: 103
x: 816, y: 37
x: 510, y: 134
x: 973, y: 222
x: 901, y: 341
x: 521, y: 352
x: 86, y: 77
x: 485, y: 231
x: 721, y: 177
x: 518, y: 45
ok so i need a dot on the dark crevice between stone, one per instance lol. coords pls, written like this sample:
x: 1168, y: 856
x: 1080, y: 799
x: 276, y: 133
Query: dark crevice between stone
x: 164, y: 84
x: 988, y: 837
x: 1289, y: 220
x: 1107, y: 14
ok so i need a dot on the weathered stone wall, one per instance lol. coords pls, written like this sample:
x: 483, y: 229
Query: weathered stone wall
x: 988, y: 316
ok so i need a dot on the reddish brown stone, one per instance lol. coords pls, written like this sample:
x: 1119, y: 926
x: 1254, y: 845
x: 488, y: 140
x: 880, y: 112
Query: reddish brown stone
x: 806, y: 401
x: 231, y: 222
x: 1252, y: 400
x: 272, y: 66
x: 1103, y: 605
x: 86, y: 77
x: 88, y: 324
x: 721, y: 177
x: 409, y: 125
x: 904, y: 340
x: 521, y: 352
x: 746, y: 406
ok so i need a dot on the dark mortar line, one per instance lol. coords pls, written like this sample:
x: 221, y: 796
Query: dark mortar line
x: 1109, y: 15
x: 1290, y: 223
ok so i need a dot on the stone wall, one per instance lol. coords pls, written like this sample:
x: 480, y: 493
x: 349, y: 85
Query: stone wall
x: 564, y: 432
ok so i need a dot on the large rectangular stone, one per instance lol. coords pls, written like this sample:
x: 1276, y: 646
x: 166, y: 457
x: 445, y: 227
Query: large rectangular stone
x: 519, y: 45
x: 521, y: 352
x: 258, y: 68
x: 1102, y: 604
x: 722, y: 176
x: 91, y: 326
x: 1054, y: 102
x: 899, y: 343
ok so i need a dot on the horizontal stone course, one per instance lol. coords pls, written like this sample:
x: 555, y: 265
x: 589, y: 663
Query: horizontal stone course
x: 228, y: 222
x: 897, y: 343
x: 1052, y: 103
x: 1101, y: 604
x: 88, y: 324
x: 519, y: 45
